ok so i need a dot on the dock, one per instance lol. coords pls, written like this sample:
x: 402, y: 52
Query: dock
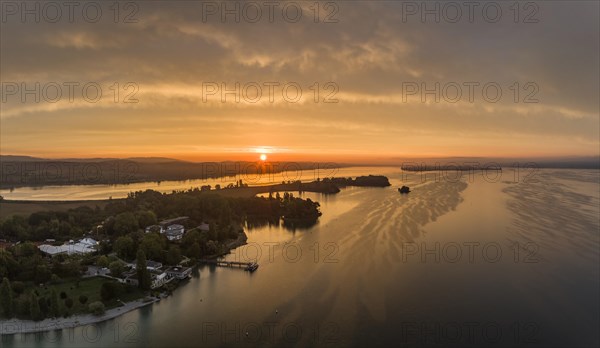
x: 247, y: 266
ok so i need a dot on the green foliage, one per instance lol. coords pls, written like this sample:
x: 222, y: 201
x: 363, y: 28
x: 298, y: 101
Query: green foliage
x: 42, y: 274
x: 142, y: 272
x: 194, y: 251
x: 124, y: 247
x: 102, y: 261
x: 97, y: 308
x: 116, y: 268
x: 69, y: 303
x: 34, y: 307
x: 146, y: 218
x: 125, y: 223
x: 153, y: 245
x: 18, y: 287
x: 6, y: 299
x: 54, y: 307
x: 173, y: 255
x: 44, y: 303
x: 83, y: 299
x: 54, y: 279
x: 16, y: 227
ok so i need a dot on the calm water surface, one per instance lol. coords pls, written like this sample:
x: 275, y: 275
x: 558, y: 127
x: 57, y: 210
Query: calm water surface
x: 454, y: 263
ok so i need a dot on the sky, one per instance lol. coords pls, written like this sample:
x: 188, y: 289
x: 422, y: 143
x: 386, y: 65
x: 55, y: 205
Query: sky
x: 346, y: 80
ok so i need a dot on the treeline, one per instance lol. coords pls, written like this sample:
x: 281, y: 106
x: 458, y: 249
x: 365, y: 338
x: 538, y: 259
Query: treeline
x: 19, y: 171
x: 363, y: 181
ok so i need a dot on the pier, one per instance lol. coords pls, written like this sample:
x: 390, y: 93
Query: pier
x: 247, y: 266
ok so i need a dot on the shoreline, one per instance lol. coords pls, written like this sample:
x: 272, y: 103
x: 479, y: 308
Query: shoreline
x: 21, y: 326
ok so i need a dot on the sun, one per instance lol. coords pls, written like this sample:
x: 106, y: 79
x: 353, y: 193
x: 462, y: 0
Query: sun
x: 263, y: 157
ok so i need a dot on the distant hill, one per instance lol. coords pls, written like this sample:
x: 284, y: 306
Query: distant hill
x: 19, y: 171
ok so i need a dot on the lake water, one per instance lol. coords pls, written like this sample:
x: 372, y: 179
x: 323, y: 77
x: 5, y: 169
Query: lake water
x: 469, y: 262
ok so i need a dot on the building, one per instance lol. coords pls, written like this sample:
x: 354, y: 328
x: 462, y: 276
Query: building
x: 204, y: 227
x: 154, y: 228
x: 178, y: 220
x: 175, y: 232
x: 153, y: 265
x: 89, y: 241
x: 83, y: 246
x: 150, y: 265
x: 158, y: 279
x: 179, y: 272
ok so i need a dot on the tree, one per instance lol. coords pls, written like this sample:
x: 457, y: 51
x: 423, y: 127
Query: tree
x: 69, y: 303
x: 173, y: 255
x: 102, y: 261
x: 18, y: 287
x: 97, y: 308
x: 143, y: 275
x: 194, y: 250
x: 34, y: 307
x: 116, y: 268
x: 125, y: 223
x: 146, y: 218
x: 6, y: 300
x: 54, y: 308
x: 83, y: 299
x: 42, y: 274
x: 124, y: 247
x: 44, y: 303
x: 153, y: 245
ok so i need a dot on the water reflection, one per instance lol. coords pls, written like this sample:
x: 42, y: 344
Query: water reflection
x: 345, y: 282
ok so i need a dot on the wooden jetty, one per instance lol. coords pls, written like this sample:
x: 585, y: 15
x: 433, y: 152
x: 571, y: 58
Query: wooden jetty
x: 247, y: 266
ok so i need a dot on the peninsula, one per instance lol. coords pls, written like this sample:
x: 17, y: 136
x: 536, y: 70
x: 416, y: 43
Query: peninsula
x: 93, y: 260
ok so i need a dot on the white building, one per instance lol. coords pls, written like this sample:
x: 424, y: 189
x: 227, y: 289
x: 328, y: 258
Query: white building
x: 174, y: 232
x: 179, y: 272
x: 88, y: 241
x: 84, y: 246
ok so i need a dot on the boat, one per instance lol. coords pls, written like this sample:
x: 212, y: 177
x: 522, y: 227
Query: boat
x: 252, y: 266
x: 404, y: 189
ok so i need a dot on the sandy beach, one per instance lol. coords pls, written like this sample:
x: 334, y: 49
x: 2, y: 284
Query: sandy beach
x: 16, y: 326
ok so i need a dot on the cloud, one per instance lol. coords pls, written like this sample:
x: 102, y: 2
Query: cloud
x: 370, y: 54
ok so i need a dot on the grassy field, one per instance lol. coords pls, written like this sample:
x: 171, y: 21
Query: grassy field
x: 25, y: 208
x: 89, y: 287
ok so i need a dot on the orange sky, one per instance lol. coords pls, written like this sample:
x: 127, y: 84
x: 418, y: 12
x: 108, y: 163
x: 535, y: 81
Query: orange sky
x: 205, y: 89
